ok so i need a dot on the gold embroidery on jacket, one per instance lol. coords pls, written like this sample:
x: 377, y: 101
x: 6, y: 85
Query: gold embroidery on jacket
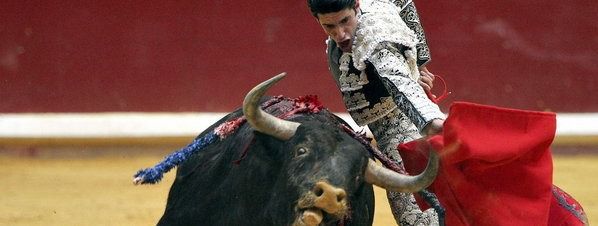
x: 355, y: 101
x: 379, y: 110
x: 352, y: 81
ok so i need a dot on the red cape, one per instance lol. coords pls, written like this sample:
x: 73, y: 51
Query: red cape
x: 501, y: 172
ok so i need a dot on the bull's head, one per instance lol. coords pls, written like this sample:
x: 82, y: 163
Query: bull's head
x: 334, y: 168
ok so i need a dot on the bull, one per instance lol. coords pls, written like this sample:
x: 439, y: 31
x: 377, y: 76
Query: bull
x: 296, y: 169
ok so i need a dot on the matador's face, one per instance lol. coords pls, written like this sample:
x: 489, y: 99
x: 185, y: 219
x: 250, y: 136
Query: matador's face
x: 340, y: 26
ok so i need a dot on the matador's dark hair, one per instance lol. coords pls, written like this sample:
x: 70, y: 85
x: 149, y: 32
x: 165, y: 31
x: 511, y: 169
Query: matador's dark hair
x: 329, y: 6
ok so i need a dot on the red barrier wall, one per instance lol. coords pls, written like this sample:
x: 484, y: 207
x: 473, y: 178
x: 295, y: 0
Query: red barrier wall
x: 68, y: 56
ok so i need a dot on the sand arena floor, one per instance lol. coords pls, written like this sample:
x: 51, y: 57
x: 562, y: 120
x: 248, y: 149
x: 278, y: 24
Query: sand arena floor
x: 91, y: 189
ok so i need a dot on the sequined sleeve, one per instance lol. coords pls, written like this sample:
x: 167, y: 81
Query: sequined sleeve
x: 409, y: 96
x: 411, y: 17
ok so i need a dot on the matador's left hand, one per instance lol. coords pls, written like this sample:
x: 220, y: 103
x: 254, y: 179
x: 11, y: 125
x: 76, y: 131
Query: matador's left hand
x: 426, y: 79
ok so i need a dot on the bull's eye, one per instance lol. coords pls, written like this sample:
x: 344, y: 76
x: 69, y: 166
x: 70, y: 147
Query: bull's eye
x: 300, y: 151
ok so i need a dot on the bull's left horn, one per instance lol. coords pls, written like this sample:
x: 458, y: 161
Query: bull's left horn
x: 393, y: 181
x: 262, y: 121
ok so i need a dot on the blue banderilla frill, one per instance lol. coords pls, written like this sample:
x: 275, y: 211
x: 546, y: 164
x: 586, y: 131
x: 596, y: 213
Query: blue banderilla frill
x: 154, y: 174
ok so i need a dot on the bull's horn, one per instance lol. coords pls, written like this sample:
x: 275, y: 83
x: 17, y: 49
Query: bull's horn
x: 393, y: 181
x: 262, y: 121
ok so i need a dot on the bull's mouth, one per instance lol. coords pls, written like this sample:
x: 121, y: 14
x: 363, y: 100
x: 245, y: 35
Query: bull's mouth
x: 309, y: 217
x: 316, y: 217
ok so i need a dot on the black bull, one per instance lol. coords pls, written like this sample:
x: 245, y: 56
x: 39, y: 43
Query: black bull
x: 303, y: 170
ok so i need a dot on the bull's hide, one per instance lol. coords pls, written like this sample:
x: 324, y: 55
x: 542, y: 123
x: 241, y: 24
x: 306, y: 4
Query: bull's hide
x: 255, y: 179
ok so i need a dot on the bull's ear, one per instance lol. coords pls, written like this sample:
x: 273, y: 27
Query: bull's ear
x: 262, y: 121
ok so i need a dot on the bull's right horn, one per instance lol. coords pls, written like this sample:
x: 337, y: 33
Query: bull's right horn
x: 262, y: 121
x: 393, y: 181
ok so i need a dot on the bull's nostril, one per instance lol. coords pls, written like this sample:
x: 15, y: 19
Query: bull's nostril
x: 341, y: 196
x: 318, y: 191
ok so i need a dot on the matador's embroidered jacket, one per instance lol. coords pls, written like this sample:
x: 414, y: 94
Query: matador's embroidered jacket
x: 381, y: 73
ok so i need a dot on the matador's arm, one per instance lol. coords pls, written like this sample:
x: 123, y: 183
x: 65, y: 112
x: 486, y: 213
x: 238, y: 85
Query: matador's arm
x: 411, y: 18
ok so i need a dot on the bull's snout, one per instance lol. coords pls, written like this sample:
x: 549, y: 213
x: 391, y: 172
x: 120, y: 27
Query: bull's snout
x: 329, y: 198
x: 323, y: 197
